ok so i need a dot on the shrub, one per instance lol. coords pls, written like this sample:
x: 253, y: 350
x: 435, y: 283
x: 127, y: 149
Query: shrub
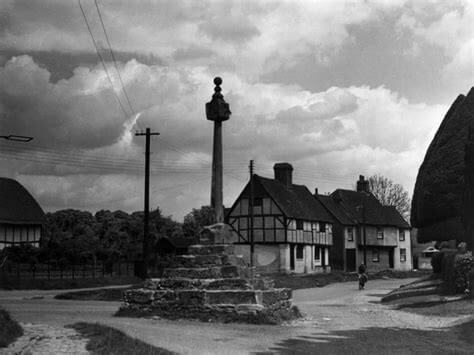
x: 9, y: 329
x: 447, y: 267
x: 462, y: 270
x: 436, y: 262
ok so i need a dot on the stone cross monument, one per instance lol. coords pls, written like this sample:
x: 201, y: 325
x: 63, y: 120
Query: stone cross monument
x: 217, y: 110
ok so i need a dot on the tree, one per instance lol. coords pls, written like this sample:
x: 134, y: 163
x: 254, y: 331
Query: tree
x: 390, y: 194
x: 195, y: 220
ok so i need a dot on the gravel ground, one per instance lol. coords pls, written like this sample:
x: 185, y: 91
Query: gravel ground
x: 338, y: 319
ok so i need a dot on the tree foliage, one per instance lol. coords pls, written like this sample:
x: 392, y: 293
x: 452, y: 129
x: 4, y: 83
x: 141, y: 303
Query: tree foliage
x: 73, y: 237
x: 195, y: 220
x: 390, y: 194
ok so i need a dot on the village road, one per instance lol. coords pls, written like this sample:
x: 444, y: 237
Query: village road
x: 332, y: 314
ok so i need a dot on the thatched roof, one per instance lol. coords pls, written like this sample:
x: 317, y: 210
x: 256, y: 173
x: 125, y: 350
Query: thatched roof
x: 437, y: 203
x: 17, y: 205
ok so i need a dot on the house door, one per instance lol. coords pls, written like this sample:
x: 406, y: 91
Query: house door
x: 323, y: 257
x: 390, y: 258
x: 292, y: 256
x: 350, y: 259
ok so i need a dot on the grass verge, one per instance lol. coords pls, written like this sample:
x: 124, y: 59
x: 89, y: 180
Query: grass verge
x: 296, y: 282
x: 456, y: 308
x: 10, y: 330
x: 105, y: 340
x: 104, y: 294
x: 41, y: 284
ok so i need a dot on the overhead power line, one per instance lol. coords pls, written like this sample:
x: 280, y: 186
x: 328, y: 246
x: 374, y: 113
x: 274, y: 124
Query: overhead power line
x: 102, y: 60
x: 114, y: 60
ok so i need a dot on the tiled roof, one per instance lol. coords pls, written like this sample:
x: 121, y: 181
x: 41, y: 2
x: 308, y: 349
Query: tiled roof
x: 17, y: 205
x: 336, y: 210
x: 296, y: 201
x: 394, y: 217
x: 354, y: 203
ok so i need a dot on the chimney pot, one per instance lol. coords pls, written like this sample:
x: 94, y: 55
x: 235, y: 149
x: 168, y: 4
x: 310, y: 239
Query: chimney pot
x: 316, y: 191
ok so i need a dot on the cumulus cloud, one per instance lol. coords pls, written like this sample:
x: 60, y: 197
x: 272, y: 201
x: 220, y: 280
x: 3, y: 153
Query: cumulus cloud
x: 85, y: 154
x: 449, y: 26
x: 338, y: 132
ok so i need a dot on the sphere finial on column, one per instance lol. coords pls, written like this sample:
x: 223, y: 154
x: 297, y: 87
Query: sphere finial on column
x: 217, y: 109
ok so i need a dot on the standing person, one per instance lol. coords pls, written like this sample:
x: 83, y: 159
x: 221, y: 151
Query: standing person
x: 362, y: 276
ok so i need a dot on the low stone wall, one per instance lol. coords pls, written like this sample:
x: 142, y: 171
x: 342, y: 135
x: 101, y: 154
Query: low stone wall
x: 249, y: 306
x: 211, y: 283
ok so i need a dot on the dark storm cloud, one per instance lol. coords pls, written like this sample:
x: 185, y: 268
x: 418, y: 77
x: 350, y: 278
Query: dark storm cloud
x: 192, y: 52
x: 75, y: 113
x: 230, y: 29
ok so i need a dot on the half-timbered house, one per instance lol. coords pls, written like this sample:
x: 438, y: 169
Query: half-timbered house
x: 21, y: 217
x: 292, y: 231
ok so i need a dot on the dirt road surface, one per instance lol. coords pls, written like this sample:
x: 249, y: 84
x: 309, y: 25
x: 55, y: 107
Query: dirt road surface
x: 338, y: 319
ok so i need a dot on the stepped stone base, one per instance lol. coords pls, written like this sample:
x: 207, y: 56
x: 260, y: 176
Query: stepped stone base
x: 210, y: 284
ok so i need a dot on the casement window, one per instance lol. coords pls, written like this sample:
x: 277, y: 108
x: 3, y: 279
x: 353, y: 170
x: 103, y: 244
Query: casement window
x: 299, y: 251
x: 350, y: 234
x: 401, y: 235
x: 317, y: 253
x: 375, y: 255
x: 322, y: 227
x: 299, y: 224
x: 403, y: 255
x: 379, y: 233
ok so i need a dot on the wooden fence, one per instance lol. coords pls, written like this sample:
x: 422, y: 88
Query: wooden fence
x: 71, y: 272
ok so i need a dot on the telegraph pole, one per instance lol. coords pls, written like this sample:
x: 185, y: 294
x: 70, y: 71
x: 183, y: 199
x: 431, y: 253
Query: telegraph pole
x: 146, y: 258
x: 252, y: 245
x: 363, y: 231
x: 365, y: 241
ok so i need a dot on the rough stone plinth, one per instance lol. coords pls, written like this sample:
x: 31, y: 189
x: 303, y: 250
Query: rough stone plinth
x: 210, y: 284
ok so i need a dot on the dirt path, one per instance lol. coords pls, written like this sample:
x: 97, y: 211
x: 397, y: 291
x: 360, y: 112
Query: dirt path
x: 46, y: 339
x: 335, y: 316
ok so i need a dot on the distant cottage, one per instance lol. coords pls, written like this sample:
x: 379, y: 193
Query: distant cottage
x: 292, y: 229
x: 21, y: 217
x: 296, y: 231
x: 387, y: 241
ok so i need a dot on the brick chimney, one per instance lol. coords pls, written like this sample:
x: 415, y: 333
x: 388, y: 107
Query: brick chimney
x: 284, y: 173
x: 362, y: 184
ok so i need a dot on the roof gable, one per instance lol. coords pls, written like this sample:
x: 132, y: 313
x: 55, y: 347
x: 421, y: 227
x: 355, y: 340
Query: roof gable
x: 295, y: 202
x: 336, y: 210
x: 373, y: 212
x: 17, y: 205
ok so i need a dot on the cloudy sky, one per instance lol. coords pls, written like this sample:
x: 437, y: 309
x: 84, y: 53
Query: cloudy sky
x: 337, y: 88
